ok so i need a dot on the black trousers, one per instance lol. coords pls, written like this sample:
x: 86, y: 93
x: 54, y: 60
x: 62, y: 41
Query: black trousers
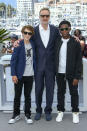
x: 28, y: 82
x: 48, y: 78
x: 61, y: 82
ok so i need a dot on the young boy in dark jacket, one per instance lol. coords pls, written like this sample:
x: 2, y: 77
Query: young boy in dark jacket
x: 68, y: 61
x: 22, y: 64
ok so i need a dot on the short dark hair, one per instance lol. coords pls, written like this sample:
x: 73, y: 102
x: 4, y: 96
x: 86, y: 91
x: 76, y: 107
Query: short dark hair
x: 45, y: 8
x: 64, y: 22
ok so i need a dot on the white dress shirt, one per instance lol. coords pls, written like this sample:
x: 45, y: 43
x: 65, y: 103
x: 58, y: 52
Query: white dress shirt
x: 63, y: 56
x: 45, y: 34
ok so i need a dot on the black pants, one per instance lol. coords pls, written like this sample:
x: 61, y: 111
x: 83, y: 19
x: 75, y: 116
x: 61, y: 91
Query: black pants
x: 61, y: 82
x: 49, y: 79
x: 27, y: 81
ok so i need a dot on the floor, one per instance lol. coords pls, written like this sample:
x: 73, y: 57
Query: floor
x: 43, y: 125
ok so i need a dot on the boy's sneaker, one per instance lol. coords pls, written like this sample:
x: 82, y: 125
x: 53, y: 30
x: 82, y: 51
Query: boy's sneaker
x: 14, y: 119
x: 59, y: 116
x: 75, y: 117
x: 28, y: 119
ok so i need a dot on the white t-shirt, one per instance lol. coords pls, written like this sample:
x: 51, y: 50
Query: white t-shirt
x: 29, y: 61
x: 45, y: 34
x: 63, y: 56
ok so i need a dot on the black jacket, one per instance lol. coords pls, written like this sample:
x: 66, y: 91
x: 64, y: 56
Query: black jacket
x: 73, y: 60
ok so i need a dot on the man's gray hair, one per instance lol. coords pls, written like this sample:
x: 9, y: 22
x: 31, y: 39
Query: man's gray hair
x: 45, y: 8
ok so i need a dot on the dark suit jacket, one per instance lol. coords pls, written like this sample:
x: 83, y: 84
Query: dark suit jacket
x: 45, y: 56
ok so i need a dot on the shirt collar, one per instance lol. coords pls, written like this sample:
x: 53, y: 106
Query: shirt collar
x: 65, y: 40
x: 41, y: 28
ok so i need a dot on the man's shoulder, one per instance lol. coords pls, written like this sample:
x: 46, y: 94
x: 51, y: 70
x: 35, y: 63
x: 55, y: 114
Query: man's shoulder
x: 53, y: 26
x: 36, y: 27
x: 72, y: 38
x: 74, y: 41
x: 21, y: 43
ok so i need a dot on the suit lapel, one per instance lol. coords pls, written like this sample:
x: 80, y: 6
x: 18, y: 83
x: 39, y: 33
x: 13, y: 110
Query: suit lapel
x: 39, y: 37
x: 51, y: 35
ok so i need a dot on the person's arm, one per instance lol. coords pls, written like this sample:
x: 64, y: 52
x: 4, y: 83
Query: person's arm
x: 57, y: 33
x: 14, y: 59
x: 76, y: 38
x: 16, y: 43
x: 78, y: 64
x: 85, y: 52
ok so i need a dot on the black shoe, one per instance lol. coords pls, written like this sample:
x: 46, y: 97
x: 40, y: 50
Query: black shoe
x: 37, y: 116
x: 48, y: 117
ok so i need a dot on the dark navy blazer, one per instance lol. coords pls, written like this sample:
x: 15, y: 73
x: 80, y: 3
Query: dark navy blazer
x: 45, y: 58
x: 18, y: 59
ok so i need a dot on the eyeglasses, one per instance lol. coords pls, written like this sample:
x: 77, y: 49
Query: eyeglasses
x: 45, y: 16
x: 29, y: 33
x: 62, y: 29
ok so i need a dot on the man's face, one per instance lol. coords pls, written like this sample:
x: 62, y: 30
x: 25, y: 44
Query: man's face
x: 64, y: 30
x: 44, y: 17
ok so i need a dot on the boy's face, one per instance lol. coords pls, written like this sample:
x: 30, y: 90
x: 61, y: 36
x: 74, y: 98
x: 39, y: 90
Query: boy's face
x: 64, y: 30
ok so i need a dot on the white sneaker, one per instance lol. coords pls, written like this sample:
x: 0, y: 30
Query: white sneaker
x: 75, y: 117
x: 28, y: 120
x: 14, y: 119
x: 59, y: 116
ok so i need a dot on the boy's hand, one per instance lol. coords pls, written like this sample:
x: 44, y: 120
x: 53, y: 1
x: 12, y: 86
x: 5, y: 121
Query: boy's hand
x: 15, y: 79
x: 75, y: 82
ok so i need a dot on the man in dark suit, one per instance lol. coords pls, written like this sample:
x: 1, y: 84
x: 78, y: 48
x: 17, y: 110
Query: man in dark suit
x: 44, y: 38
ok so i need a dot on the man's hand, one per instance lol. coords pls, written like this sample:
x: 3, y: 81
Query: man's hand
x: 16, y: 43
x: 75, y: 82
x: 15, y: 79
x: 76, y: 38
